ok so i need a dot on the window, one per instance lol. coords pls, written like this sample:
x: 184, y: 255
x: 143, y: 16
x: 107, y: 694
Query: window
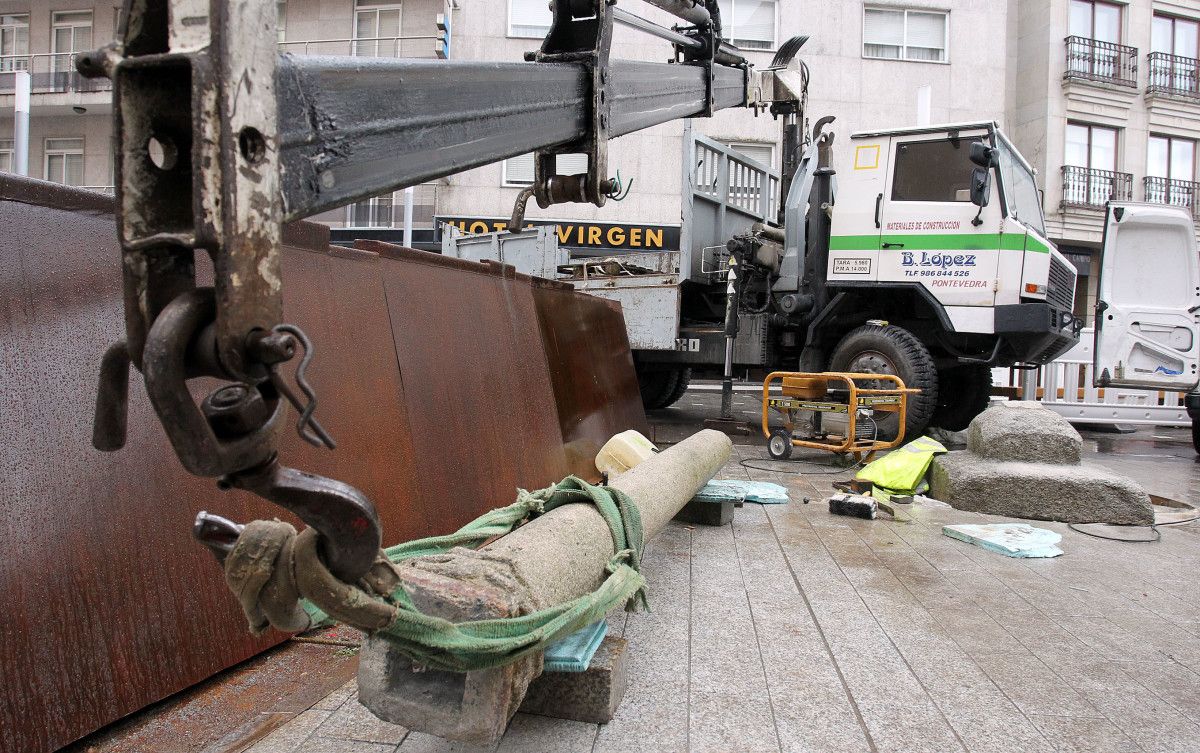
x: 1171, y: 158
x: 518, y: 171
x: 1091, y: 147
x: 6, y: 155
x: 14, y: 43
x: 1095, y: 20
x: 763, y: 154
x: 71, y: 33
x: 933, y: 171
x: 529, y: 18
x: 905, y: 35
x: 281, y: 22
x: 376, y: 29
x: 64, y: 161
x: 374, y: 212
x: 1174, y: 36
x: 749, y: 24
x: 1170, y: 170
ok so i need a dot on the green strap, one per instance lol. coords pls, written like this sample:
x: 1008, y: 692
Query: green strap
x: 481, y: 644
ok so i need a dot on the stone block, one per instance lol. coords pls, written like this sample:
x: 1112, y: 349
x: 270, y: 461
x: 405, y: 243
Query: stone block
x: 463, y: 706
x: 589, y: 696
x: 700, y: 512
x: 1038, y: 491
x: 1024, y: 432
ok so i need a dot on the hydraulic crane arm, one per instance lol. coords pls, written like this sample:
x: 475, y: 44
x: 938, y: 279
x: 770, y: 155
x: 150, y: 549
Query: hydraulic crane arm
x: 220, y: 139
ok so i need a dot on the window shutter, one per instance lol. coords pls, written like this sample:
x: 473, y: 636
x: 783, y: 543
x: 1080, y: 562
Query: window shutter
x: 883, y: 27
x: 529, y: 18
x: 926, y: 30
x: 754, y: 22
x: 519, y: 170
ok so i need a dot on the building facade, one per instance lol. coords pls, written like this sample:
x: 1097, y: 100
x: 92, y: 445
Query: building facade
x: 1103, y: 98
x: 1107, y: 105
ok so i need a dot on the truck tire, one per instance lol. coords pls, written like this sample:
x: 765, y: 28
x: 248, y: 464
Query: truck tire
x: 887, y: 349
x: 963, y: 393
x: 1196, y: 434
x: 658, y: 387
x: 685, y: 378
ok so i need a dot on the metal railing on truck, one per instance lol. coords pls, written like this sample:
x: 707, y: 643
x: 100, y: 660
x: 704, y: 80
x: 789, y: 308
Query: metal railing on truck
x: 729, y: 192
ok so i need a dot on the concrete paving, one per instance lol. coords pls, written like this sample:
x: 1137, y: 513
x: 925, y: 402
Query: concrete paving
x: 794, y: 630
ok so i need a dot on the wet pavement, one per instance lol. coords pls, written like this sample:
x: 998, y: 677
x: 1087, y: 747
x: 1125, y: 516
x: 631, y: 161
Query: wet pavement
x: 795, y: 630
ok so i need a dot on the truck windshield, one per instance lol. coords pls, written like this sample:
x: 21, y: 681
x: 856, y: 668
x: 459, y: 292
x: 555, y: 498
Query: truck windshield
x: 1020, y: 191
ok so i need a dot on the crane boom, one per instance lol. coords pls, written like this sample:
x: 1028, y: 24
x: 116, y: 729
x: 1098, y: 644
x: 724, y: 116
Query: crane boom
x: 220, y: 139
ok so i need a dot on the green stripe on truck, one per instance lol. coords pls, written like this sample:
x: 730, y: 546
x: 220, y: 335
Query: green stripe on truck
x: 939, y: 242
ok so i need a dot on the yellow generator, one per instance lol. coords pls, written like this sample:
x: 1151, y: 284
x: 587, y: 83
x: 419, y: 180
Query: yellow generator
x: 805, y: 399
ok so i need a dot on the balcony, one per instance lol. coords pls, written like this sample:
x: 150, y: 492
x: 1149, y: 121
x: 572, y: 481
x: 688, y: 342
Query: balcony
x: 50, y: 73
x: 1180, y: 193
x: 420, y: 46
x: 1173, y: 74
x: 1103, y: 62
x: 1085, y: 188
x: 54, y: 73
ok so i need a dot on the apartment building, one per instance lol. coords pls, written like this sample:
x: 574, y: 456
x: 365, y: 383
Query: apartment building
x: 868, y: 61
x: 1107, y: 106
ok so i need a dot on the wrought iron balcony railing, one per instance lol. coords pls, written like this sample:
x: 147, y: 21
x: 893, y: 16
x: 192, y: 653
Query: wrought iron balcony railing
x: 1180, y: 193
x: 55, y: 72
x: 49, y: 73
x: 1173, y: 74
x: 1094, y: 60
x: 1087, y: 188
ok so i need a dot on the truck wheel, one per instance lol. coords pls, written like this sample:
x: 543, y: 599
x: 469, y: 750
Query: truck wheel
x: 685, y: 378
x: 963, y: 393
x: 657, y: 386
x: 1196, y: 434
x: 887, y: 349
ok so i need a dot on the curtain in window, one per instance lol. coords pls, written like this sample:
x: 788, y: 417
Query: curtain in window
x: 926, y: 37
x: 883, y: 33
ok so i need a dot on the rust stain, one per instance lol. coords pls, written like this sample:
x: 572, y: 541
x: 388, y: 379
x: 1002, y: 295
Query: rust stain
x: 447, y: 385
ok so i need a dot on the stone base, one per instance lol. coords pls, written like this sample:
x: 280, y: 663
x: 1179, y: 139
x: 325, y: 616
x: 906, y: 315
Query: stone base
x: 589, y: 696
x: 1024, y: 432
x: 1070, y: 494
x: 706, y: 513
x: 470, y: 707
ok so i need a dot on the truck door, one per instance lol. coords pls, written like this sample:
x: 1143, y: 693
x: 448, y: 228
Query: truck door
x: 1147, y: 332
x: 927, y: 233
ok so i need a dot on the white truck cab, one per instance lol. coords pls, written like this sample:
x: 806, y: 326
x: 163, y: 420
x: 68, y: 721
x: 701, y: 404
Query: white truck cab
x: 905, y: 218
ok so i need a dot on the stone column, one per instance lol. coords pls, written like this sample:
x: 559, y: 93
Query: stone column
x: 553, y: 559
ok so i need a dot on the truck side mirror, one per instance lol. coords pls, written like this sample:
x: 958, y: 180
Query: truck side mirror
x: 982, y: 154
x: 981, y: 186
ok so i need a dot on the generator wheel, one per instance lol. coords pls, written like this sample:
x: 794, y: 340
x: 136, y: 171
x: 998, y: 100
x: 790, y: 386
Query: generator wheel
x: 963, y: 393
x: 887, y: 349
x: 779, y: 444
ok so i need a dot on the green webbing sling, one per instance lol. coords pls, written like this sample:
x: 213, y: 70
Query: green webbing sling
x: 465, y: 646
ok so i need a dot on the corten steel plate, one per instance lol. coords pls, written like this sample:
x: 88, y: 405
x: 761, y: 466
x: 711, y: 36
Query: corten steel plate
x: 485, y: 420
x: 432, y: 377
x: 591, y: 368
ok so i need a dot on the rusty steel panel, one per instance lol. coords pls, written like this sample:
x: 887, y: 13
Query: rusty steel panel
x: 109, y: 604
x: 434, y: 376
x: 591, y: 368
x: 485, y: 421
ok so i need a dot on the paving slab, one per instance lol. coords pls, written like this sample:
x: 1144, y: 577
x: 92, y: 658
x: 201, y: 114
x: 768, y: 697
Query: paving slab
x: 791, y: 630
